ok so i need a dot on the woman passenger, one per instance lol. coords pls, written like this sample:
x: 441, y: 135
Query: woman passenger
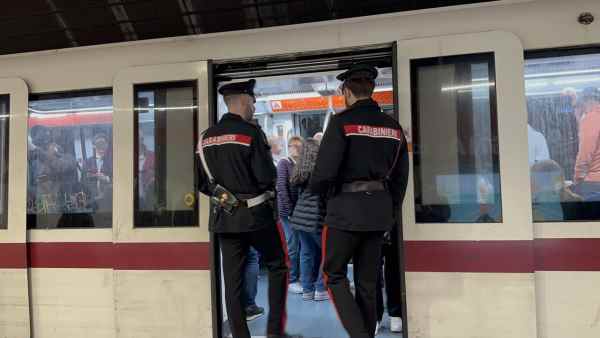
x: 307, y: 219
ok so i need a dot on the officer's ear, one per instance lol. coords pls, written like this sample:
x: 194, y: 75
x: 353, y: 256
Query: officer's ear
x: 346, y: 92
x: 339, y: 91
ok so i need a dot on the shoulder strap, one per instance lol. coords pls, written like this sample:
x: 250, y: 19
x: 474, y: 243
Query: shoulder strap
x: 400, y: 142
x: 211, y: 178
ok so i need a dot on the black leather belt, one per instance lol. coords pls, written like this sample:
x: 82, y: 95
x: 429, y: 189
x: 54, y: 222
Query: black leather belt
x: 250, y: 201
x: 358, y: 186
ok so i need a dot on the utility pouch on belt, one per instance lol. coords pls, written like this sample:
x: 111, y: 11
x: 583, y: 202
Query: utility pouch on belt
x: 224, y: 199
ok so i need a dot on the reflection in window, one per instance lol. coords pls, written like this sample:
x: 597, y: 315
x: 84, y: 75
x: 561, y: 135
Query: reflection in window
x: 70, y: 160
x: 563, y: 104
x: 456, y: 166
x: 165, y: 170
x: 4, y: 121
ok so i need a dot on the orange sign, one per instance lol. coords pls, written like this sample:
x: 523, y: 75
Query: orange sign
x: 322, y: 103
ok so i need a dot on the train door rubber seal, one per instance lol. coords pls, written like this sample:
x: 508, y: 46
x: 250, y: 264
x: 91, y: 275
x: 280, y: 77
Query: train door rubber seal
x: 400, y: 239
x: 215, y: 261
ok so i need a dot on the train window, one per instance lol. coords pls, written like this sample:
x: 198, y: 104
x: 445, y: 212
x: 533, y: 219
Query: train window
x: 456, y: 164
x: 563, y: 104
x: 70, y: 160
x: 165, y: 167
x: 4, y: 121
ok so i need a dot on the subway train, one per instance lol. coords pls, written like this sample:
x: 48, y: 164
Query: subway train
x: 103, y: 232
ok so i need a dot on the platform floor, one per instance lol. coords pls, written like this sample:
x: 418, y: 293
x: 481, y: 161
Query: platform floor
x: 307, y: 318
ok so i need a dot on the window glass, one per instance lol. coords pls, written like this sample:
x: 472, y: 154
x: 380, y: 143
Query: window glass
x: 456, y: 165
x: 70, y: 160
x: 165, y: 167
x: 4, y: 121
x: 563, y: 104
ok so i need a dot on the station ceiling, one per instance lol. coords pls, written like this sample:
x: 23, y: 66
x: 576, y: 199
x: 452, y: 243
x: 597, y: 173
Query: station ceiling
x: 33, y: 25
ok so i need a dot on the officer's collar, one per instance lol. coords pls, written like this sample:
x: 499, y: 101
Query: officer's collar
x: 364, y: 103
x: 232, y: 116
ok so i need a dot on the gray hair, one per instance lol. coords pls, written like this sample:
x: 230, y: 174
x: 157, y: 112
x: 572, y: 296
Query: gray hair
x: 305, y: 165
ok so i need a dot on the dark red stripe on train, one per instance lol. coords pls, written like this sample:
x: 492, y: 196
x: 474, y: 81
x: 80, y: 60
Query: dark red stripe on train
x: 420, y: 256
x: 71, y: 255
x: 159, y: 256
x: 119, y: 256
x: 469, y: 256
x: 12, y: 256
x: 567, y: 254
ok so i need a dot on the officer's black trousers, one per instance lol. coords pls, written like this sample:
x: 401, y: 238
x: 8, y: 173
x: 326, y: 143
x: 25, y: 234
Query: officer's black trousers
x: 358, y: 314
x: 393, y: 282
x: 270, y: 243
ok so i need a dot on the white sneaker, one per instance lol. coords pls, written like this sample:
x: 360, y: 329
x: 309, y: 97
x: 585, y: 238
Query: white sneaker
x: 395, y: 324
x: 295, y: 288
x: 308, y: 295
x: 321, y: 296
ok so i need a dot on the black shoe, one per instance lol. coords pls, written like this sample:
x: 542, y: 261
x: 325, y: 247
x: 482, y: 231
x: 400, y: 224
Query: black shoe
x: 253, y: 312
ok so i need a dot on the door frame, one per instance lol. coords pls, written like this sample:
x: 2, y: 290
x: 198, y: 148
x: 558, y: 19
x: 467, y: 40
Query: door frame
x: 213, y: 77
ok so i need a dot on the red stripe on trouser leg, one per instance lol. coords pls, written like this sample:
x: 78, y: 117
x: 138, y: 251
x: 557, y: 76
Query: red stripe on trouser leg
x: 325, y: 277
x: 283, y: 244
x: 323, y: 253
x: 287, y: 274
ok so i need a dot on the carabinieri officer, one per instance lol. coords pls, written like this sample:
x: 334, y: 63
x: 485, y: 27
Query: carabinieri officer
x: 363, y: 166
x: 237, y: 172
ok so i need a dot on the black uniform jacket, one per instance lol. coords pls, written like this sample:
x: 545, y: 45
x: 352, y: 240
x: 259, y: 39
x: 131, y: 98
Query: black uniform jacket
x: 360, y: 144
x: 239, y: 158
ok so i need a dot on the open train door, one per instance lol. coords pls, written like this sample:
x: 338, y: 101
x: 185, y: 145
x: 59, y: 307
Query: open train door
x: 296, y: 94
x: 467, y: 214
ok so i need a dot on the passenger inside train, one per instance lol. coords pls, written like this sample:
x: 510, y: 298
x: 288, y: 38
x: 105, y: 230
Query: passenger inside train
x: 70, y: 167
x: 563, y: 101
x: 70, y: 174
